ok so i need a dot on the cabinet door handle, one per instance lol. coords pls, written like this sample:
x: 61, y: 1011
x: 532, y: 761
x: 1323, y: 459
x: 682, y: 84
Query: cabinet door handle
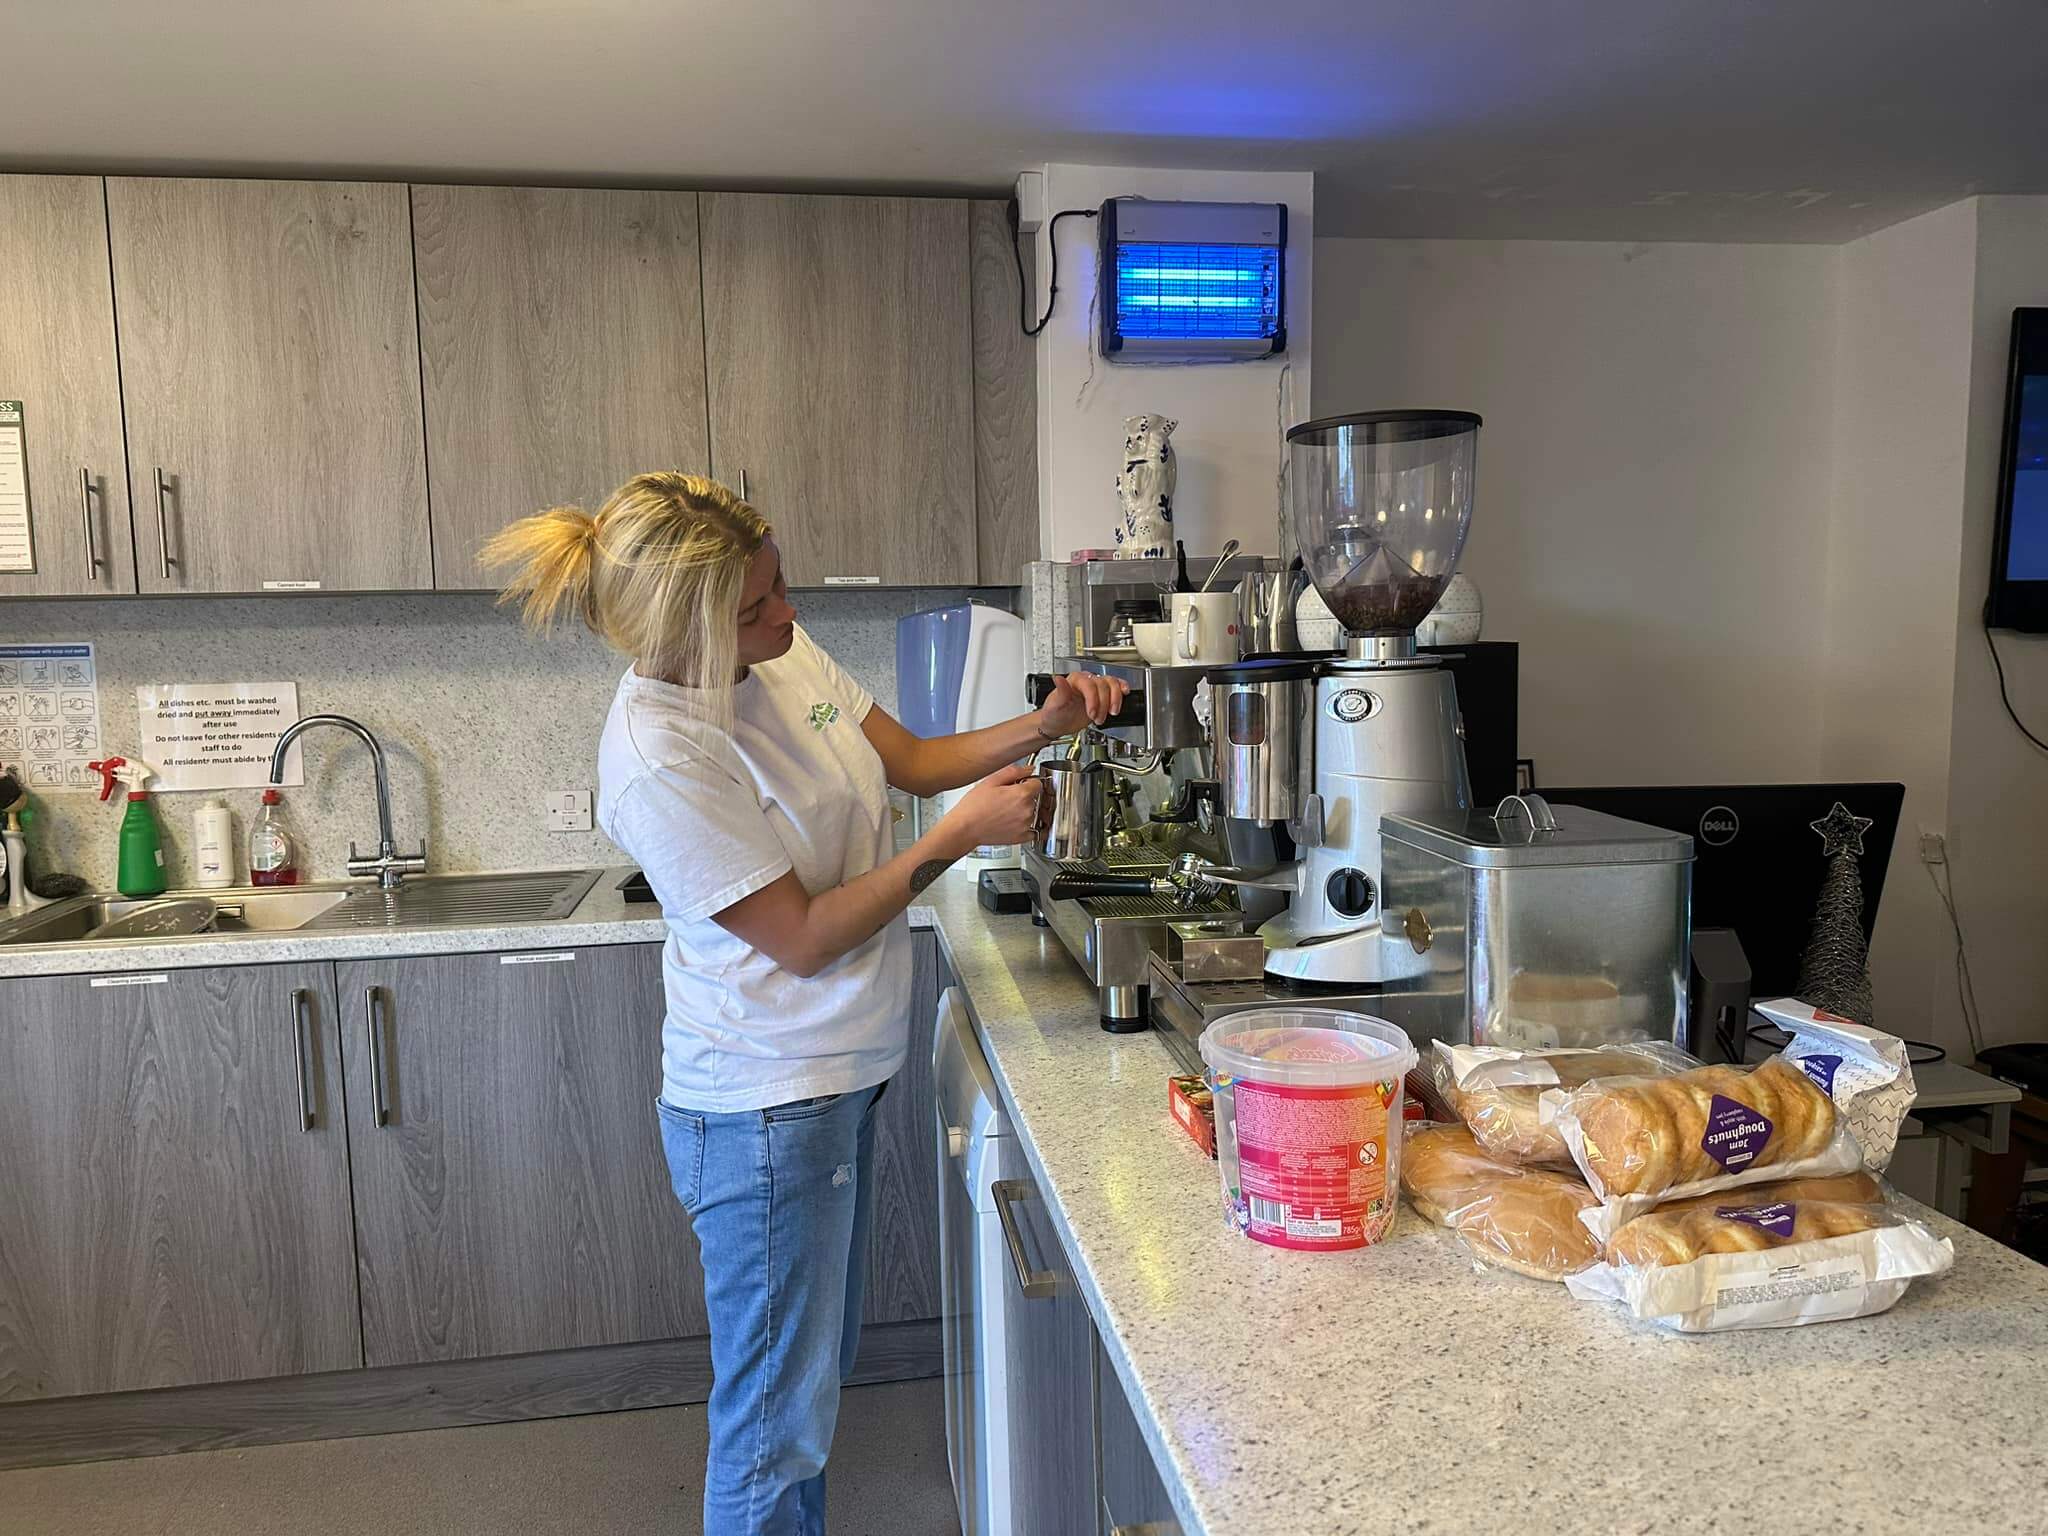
x: 1037, y: 1284
x: 380, y: 1106
x: 743, y: 485
x: 299, y: 1054
x: 163, y: 524
x: 92, y: 550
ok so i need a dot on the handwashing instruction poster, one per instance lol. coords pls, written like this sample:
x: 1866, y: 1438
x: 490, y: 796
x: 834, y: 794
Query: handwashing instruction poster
x: 49, y: 715
x: 216, y: 735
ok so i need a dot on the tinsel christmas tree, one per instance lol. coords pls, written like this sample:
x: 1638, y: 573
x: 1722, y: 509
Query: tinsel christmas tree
x: 1834, y: 973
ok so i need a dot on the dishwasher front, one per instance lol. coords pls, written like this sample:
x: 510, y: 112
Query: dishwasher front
x: 975, y: 1150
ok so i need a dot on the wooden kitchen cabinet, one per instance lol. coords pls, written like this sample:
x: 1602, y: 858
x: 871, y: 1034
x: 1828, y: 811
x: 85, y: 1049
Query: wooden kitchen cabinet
x: 902, y: 1281
x: 839, y: 346
x: 510, y: 1187
x: 174, y: 1181
x: 562, y: 351
x: 57, y: 357
x: 1005, y: 398
x: 271, y: 384
x: 1050, y: 1354
x: 1134, y: 1496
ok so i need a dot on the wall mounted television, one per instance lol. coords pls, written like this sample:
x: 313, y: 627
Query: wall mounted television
x: 2019, y: 559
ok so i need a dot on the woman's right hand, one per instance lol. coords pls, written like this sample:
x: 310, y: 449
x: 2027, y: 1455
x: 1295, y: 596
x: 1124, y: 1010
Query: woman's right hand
x: 1000, y: 810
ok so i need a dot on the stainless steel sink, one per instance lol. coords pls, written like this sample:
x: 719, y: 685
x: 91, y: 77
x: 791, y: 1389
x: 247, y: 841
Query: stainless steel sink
x: 462, y: 901
x: 430, y: 901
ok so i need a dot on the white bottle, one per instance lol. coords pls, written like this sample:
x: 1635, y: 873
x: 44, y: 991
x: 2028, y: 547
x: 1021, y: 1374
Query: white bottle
x: 213, y: 845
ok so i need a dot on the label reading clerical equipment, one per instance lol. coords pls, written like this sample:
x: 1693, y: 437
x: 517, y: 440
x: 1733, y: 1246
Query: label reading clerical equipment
x: 17, y: 537
x: 853, y: 581
x: 559, y: 959
x: 156, y: 979
x: 291, y: 586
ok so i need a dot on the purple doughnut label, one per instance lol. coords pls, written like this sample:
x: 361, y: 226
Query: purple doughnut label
x: 1736, y: 1134
x: 1774, y: 1219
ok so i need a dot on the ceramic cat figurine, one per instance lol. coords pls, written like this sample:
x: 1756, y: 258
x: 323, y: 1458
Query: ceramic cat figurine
x: 1146, y: 488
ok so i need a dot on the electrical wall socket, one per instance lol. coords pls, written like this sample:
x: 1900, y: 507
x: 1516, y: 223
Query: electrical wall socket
x: 568, y: 810
x: 1933, y: 846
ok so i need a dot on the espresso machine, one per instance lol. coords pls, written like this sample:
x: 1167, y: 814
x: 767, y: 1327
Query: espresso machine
x: 1102, y: 876
x: 1309, y: 752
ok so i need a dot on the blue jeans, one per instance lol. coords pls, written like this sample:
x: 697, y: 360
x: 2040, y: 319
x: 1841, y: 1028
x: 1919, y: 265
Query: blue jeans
x: 779, y: 1199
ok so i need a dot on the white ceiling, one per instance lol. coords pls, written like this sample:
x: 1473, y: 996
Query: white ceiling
x: 1609, y: 119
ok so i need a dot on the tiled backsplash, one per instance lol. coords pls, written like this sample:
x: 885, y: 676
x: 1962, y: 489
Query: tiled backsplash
x: 478, y: 718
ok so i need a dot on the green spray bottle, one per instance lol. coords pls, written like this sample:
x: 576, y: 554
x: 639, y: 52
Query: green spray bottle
x: 142, y: 842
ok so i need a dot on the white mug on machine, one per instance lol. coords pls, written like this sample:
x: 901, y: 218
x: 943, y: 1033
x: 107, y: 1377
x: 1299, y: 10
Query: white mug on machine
x: 1204, y: 628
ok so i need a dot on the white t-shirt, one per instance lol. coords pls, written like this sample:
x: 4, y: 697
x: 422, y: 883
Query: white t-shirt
x: 713, y: 816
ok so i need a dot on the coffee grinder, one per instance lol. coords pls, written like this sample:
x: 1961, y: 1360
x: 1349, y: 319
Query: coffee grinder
x: 1380, y: 503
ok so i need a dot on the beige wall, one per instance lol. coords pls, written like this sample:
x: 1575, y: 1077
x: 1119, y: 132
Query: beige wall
x: 1902, y: 408
x: 1736, y: 503
x: 1998, y: 792
x: 1227, y: 450
x: 1653, y: 475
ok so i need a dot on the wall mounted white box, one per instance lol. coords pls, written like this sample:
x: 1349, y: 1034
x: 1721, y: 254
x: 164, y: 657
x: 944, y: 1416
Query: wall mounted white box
x: 568, y: 810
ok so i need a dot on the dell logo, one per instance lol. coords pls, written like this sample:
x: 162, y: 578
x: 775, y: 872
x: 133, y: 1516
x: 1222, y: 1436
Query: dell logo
x: 1719, y: 826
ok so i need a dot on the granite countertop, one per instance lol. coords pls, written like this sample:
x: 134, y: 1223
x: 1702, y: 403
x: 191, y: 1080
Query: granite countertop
x: 601, y: 917
x: 1396, y: 1389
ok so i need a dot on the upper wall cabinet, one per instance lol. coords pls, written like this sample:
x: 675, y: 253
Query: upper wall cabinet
x: 57, y: 358
x: 1005, y: 398
x: 840, y: 351
x: 562, y: 338
x: 270, y: 369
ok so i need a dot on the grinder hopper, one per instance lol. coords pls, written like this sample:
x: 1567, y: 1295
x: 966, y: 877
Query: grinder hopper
x: 1381, y: 502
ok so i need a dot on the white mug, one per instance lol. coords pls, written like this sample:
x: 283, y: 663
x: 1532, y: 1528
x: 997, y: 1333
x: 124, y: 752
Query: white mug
x: 1204, y: 628
x: 1154, y: 641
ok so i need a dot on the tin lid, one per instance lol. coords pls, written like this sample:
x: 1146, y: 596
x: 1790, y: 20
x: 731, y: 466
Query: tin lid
x: 1524, y: 831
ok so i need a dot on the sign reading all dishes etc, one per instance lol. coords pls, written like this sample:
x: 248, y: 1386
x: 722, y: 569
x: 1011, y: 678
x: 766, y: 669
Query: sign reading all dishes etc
x: 216, y: 735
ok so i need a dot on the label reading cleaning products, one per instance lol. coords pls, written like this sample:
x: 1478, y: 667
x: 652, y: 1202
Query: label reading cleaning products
x: 17, y: 534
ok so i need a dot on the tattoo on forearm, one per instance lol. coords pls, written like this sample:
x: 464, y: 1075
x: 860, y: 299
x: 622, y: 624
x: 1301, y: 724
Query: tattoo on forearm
x: 926, y: 873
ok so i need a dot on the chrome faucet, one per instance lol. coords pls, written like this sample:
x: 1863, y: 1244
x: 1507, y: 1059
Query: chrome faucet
x: 389, y: 866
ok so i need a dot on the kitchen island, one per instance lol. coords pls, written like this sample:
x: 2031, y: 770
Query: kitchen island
x: 1396, y: 1389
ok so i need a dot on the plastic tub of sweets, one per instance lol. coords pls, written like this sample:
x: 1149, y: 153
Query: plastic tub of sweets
x: 1308, y: 1121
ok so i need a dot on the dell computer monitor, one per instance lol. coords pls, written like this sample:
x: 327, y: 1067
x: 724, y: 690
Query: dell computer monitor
x: 1758, y: 863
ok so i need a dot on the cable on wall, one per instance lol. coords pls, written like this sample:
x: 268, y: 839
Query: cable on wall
x: 2005, y: 698
x: 1052, y: 291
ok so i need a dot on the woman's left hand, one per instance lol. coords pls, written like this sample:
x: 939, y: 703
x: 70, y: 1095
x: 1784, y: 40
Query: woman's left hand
x: 1079, y: 699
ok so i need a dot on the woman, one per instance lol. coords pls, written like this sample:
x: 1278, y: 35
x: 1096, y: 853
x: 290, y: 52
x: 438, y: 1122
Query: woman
x: 748, y: 776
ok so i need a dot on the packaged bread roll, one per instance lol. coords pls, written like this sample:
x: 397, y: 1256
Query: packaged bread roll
x: 1523, y: 1219
x: 1505, y: 1097
x: 1736, y: 1261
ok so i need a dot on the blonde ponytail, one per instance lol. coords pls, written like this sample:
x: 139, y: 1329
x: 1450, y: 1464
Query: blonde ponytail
x: 552, y: 554
x: 656, y: 573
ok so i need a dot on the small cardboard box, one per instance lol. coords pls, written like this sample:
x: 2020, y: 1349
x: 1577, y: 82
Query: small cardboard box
x: 1187, y: 1099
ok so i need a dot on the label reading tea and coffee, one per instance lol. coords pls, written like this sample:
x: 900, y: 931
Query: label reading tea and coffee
x: 1736, y: 1134
x: 1774, y: 1219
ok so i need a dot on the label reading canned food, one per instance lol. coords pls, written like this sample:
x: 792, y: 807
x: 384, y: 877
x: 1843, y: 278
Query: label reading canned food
x: 1313, y: 1163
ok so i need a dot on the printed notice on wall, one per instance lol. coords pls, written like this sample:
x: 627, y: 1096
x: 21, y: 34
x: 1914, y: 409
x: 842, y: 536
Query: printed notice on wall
x: 17, y: 539
x: 216, y: 735
x: 50, y: 715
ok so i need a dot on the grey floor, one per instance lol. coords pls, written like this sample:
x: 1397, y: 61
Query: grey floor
x: 636, y: 1472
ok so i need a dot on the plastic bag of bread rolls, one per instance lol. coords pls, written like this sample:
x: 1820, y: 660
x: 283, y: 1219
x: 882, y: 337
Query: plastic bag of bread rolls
x: 1773, y: 1256
x: 1523, y: 1219
x: 1865, y: 1071
x: 1501, y: 1094
x: 1643, y: 1141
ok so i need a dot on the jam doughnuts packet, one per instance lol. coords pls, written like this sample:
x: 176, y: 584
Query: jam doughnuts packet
x: 1507, y: 1098
x: 1865, y: 1071
x: 1643, y: 1141
x: 1774, y: 1255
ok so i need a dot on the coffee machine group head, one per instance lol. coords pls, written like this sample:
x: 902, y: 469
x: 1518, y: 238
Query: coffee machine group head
x: 1380, y: 502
